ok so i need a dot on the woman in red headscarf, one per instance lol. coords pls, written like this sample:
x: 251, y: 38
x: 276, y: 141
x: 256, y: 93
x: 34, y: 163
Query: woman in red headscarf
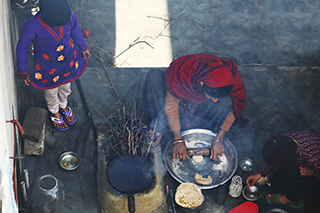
x: 196, y: 91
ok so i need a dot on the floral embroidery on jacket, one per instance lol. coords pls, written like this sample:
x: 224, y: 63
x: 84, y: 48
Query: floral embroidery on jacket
x: 66, y: 74
x: 38, y: 75
x: 55, y: 79
x: 75, y: 54
x: 45, y: 56
x: 52, y: 71
x: 60, y: 48
x: 60, y: 58
x: 77, y: 65
x: 38, y: 67
x: 71, y: 44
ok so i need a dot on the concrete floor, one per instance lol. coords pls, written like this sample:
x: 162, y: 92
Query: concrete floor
x: 279, y: 98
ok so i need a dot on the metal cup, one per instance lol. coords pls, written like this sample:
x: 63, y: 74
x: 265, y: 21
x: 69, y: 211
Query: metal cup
x: 222, y: 194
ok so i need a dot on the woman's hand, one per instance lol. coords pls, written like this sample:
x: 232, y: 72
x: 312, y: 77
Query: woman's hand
x: 252, y: 179
x: 216, y: 145
x: 216, y: 149
x: 180, y: 151
x: 304, y: 171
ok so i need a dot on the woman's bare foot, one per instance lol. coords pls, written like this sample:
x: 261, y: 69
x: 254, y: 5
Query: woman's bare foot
x: 283, y: 199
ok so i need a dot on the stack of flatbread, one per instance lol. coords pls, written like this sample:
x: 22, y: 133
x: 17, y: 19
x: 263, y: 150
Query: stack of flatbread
x: 189, y: 195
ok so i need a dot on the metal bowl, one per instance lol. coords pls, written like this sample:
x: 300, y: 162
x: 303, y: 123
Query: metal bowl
x: 69, y: 161
x: 246, y: 165
x: 251, y: 193
x: 220, y: 170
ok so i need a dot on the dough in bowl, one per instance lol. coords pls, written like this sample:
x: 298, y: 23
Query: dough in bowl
x: 201, y: 180
x: 189, y: 195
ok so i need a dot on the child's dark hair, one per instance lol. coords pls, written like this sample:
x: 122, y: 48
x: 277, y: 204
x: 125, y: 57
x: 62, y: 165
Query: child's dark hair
x: 219, y: 92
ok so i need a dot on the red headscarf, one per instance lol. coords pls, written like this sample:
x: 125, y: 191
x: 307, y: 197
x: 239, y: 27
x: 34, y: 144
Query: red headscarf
x: 184, y: 75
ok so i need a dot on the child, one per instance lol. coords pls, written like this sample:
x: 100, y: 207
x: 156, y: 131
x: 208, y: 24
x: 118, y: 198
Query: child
x: 297, y: 154
x: 54, y: 31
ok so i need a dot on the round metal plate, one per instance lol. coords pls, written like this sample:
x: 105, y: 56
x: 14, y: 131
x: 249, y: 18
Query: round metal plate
x: 220, y: 170
x: 69, y: 160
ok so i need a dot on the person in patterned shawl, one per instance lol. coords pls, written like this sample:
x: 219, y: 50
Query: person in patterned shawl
x: 56, y: 38
x: 196, y: 91
x: 297, y: 154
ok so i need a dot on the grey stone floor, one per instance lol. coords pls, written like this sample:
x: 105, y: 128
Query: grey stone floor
x: 285, y: 33
x: 279, y: 99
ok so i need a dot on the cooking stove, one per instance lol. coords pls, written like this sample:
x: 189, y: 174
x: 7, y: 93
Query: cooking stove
x: 152, y: 199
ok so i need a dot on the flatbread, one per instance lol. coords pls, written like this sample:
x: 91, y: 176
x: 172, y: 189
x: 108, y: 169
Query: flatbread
x: 201, y: 180
x: 197, y: 158
x: 189, y: 195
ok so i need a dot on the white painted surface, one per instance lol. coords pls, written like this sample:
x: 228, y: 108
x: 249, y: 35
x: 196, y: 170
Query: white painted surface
x: 142, y: 34
x: 8, y: 93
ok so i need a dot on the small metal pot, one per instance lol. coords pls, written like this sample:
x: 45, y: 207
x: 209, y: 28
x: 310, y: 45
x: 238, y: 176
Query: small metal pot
x: 246, y: 165
x: 251, y: 193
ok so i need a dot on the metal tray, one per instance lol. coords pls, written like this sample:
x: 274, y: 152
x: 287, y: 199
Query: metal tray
x: 221, y: 170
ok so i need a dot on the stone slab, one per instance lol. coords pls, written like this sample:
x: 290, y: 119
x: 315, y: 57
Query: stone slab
x: 35, y: 148
x: 33, y: 123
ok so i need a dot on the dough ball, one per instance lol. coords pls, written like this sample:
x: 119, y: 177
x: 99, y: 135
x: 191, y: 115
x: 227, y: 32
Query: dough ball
x: 199, y: 179
x: 197, y: 158
x: 189, y: 195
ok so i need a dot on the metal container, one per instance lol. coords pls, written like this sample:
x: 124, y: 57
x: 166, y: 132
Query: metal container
x: 222, y: 194
x: 246, y: 165
x: 235, y: 186
x: 48, y: 195
x: 221, y: 170
x: 251, y: 193
x: 69, y: 160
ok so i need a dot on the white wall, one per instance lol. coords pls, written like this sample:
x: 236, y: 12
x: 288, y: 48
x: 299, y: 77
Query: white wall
x: 8, y: 85
x: 8, y: 82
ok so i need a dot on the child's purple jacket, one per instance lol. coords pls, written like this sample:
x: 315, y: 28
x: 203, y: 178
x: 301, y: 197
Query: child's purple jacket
x: 57, y: 60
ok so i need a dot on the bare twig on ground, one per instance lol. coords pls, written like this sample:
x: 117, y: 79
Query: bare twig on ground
x: 133, y: 44
x: 202, y: 26
x: 181, y: 13
x: 86, y: 11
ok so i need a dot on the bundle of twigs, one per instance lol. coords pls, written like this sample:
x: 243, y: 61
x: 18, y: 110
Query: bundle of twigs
x: 128, y: 132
